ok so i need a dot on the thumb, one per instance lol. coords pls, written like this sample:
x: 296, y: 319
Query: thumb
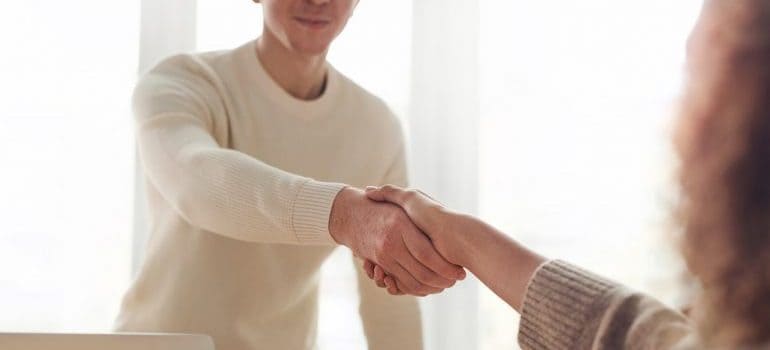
x: 387, y: 193
x: 374, y: 193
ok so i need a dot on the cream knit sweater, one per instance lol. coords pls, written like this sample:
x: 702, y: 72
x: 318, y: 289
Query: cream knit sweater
x: 240, y: 180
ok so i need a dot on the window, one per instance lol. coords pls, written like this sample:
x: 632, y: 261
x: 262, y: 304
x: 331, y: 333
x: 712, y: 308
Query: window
x: 66, y: 149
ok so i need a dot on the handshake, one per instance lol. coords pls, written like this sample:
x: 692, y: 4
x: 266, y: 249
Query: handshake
x: 410, y: 243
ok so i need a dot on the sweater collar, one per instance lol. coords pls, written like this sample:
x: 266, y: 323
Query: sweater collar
x: 298, y: 108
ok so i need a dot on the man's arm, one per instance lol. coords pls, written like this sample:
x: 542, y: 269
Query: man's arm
x: 214, y: 188
x: 238, y: 196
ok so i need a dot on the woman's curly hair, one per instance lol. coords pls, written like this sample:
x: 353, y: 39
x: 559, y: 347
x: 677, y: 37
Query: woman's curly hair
x: 725, y: 174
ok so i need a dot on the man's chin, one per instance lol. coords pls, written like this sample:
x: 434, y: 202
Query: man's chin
x: 310, y: 49
x: 314, y: 51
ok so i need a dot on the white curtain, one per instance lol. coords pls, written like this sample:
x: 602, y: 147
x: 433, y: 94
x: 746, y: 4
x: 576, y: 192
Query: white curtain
x: 443, y: 124
x: 167, y: 27
x: 66, y: 162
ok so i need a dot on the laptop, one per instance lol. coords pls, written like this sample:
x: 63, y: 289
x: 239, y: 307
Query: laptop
x: 111, y: 341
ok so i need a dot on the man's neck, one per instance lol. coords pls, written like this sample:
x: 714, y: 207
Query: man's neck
x: 303, y: 77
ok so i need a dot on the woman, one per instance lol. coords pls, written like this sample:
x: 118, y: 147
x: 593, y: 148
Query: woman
x: 724, y: 145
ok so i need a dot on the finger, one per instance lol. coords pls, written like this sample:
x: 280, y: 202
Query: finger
x: 425, y: 253
x: 369, y: 268
x: 429, y: 197
x: 409, y: 284
x: 414, y: 203
x: 387, y: 193
x: 419, y: 271
x: 372, y: 193
x: 392, y: 286
x: 379, y: 276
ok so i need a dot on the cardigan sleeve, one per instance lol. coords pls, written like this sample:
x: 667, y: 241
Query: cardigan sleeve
x: 566, y: 307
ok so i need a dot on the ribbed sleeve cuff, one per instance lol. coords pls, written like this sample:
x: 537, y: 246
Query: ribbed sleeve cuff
x: 312, y: 207
x: 562, y: 305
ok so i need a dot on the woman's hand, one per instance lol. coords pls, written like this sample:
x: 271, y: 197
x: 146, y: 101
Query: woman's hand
x: 502, y: 264
x: 446, y: 229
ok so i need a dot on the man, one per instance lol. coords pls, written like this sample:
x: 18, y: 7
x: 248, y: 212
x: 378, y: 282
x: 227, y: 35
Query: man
x: 251, y: 156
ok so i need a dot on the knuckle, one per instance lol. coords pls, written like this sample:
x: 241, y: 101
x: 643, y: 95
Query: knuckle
x: 379, y: 254
x: 385, y: 241
x: 390, y: 241
x: 390, y: 224
x: 394, y: 217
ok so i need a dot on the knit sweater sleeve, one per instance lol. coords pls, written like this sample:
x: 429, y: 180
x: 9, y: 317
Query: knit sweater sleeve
x: 569, y: 308
x: 221, y: 190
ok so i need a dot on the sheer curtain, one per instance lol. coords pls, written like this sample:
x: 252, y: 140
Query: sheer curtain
x: 66, y: 162
x: 443, y: 124
x: 577, y: 100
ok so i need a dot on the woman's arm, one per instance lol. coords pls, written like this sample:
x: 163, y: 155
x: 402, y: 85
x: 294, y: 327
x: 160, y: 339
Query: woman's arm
x: 562, y: 306
x: 498, y: 261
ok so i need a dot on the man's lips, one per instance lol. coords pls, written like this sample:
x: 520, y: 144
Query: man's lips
x: 314, y: 23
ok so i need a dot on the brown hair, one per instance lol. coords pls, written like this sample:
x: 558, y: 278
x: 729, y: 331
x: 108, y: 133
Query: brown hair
x: 725, y: 173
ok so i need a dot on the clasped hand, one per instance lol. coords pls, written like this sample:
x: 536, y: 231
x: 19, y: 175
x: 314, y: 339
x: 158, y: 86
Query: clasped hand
x: 382, y: 234
x: 404, y: 237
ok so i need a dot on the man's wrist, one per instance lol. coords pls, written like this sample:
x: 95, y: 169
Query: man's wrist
x: 339, y: 217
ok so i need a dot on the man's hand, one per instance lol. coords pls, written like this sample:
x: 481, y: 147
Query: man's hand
x: 445, y: 228
x: 384, y: 234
